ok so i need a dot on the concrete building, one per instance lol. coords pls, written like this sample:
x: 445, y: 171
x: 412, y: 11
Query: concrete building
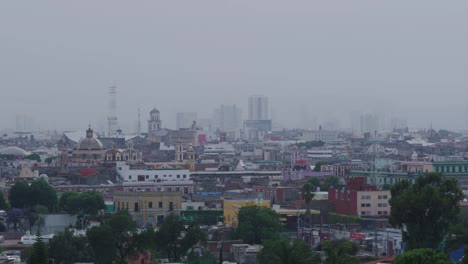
x: 320, y: 135
x: 148, y: 207
x: 369, y: 123
x: 185, y: 120
x: 258, y: 107
x: 359, y: 199
x: 228, y: 118
x: 163, y: 178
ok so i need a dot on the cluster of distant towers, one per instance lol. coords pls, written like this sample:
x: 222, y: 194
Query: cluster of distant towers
x: 154, y: 123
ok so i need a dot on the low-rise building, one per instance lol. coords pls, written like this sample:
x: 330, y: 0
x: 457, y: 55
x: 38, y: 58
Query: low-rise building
x: 148, y: 207
x: 360, y: 199
x: 231, y: 209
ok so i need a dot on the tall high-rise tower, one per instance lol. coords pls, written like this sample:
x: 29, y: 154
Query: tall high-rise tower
x: 258, y: 107
x: 113, y: 124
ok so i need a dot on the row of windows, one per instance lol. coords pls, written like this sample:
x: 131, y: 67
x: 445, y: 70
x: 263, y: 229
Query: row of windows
x: 382, y: 205
x: 365, y: 197
x: 451, y: 168
x: 125, y: 205
x: 382, y: 213
x: 383, y: 197
x: 365, y: 205
x: 184, y: 176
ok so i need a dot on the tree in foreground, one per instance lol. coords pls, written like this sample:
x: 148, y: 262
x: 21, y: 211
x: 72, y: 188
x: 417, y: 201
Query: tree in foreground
x: 422, y: 256
x: 175, y: 237
x: 85, y: 205
x: 117, y: 239
x: 307, y: 194
x: 39, y: 252
x: 284, y: 252
x: 329, y: 182
x: 425, y: 210
x: 258, y: 224
x: 340, y: 251
x: 67, y: 248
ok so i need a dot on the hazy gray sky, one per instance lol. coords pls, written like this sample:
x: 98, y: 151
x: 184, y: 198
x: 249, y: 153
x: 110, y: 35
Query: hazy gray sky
x: 315, y: 60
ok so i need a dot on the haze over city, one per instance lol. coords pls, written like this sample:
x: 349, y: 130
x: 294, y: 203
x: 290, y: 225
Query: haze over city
x: 316, y: 61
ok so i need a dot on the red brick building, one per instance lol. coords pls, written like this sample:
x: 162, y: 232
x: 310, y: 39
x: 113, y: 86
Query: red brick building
x: 359, y: 199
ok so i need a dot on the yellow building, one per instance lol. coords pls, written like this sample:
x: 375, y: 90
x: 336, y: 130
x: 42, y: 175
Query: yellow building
x: 148, y: 207
x: 231, y: 208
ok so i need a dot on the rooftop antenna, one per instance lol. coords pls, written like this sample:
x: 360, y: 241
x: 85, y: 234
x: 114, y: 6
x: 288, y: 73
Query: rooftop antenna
x: 112, y: 117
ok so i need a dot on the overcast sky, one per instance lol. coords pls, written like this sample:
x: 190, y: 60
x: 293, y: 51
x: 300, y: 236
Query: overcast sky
x: 315, y: 60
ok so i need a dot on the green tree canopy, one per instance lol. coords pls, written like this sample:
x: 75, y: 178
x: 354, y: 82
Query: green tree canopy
x: 39, y: 252
x: 307, y: 194
x: 3, y: 203
x: 425, y: 209
x: 422, y: 256
x: 340, y: 251
x: 311, y: 144
x: 175, y: 237
x: 19, y: 195
x: 314, y: 181
x: 329, y: 182
x: 318, y: 165
x: 117, y: 239
x: 89, y: 203
x: 67, y: 248
x: 33, y: 156
x: 23, y: 195
x: 282, y: 251
x: 41, y: 193
x: 49, y: 160
x: 257, y: 224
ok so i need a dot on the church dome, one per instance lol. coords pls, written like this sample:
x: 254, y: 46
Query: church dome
x: 90, y: 142
x: 154, y: 111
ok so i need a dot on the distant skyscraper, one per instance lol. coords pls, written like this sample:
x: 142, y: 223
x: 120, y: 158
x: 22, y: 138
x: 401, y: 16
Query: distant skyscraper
x: 113, y: 123
x: 228, y: 118
x: 185, y: 119
x: 369, y: 123
x: 258, y: 107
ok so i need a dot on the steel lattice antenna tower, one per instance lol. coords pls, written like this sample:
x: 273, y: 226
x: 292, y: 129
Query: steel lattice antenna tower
x: 112, y: 117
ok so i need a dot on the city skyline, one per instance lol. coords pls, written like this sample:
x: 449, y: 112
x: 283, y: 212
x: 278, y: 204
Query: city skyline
x: 193, y: 58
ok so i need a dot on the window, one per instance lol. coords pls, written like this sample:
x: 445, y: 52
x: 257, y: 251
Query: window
x: 147, y: 177
x: 155, y: 176
x: 385, y: 212
x: 185, y: 176
x: 165, y: 175
x: 379, y: 213
x: 150, y: 205
x: 178, y: 176
x: 368, y: 205
x: 363, y: 205
x: 384, y: 205
x: 160, y: 205
x: 363, y: 213
x: 136, y: 208
x: 129, y: 177
x: 385, y: 197
x: 127, y: 206
x: 171, y: 206
x: 380, y: 196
